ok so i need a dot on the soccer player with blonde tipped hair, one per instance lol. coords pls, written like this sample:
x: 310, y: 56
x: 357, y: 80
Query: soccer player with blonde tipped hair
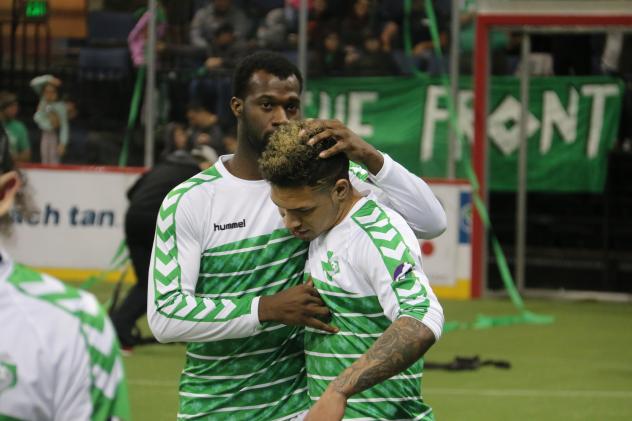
x: 365, y: 262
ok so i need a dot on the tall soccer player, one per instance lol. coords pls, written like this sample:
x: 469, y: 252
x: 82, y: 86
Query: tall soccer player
x: 226, y: 275
x: 365, y: 262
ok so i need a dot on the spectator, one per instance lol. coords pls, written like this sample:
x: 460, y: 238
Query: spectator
x: 16, y: 131
x: 274, y: 31
x: 51, y: 118
x: 208, y: 19
x: 359, y: 24
x: 226, y: 50
x: 421, y: 39
x: 331, y: 56
x: 321, y: 22
x: 175, y: 138
x: 78, y: 134
x: 373, y: 60
x: 204, y: 128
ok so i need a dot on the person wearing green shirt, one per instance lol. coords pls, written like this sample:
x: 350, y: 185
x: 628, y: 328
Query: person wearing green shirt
x: 19, y: 143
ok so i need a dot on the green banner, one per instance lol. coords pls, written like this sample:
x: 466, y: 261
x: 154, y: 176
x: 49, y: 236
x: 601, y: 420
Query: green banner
x: 572, y: 124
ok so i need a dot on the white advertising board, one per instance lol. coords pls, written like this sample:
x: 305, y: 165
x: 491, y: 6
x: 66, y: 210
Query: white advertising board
x: 80, y: 211
x: 78, y: 219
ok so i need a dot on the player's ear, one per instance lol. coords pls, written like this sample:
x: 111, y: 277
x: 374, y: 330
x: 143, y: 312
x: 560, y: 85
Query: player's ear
x: 9, y: 186
x: 342, y: 189
x: 237, y: 106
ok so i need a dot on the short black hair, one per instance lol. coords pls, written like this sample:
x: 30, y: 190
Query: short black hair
x: 274, y: 63
x: 288, y: 161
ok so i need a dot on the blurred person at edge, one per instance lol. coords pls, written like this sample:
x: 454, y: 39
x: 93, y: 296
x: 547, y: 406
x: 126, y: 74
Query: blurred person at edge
x: 59, y: 357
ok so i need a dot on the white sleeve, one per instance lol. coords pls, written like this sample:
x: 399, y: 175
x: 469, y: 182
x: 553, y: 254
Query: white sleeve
x: 393, y: 269
x: 409, y: 195
x: 174, y: 312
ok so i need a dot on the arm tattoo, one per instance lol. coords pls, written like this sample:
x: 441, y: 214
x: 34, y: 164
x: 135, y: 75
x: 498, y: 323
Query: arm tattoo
x: 403, y: 343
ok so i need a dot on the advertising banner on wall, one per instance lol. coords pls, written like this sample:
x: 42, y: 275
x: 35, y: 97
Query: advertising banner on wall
x: 78, y: 225
x: 78, y: 220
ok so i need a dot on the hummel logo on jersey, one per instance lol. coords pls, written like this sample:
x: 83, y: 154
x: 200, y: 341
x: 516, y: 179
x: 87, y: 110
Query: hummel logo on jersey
x: 229, y: 226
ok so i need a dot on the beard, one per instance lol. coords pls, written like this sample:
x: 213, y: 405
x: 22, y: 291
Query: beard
x: 256, y: 141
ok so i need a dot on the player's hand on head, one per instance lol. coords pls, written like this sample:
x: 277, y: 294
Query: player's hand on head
x: 297, y: 306
x: 347, y: 142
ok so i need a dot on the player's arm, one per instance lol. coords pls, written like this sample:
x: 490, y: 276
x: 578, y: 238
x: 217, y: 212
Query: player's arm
x: 403, y: 343
x: 397, y: 187
x: 176, y: 313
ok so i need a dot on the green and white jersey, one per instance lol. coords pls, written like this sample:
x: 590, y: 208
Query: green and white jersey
x: 368, y: 271
x: 220, y: 244
x: 59, y: 357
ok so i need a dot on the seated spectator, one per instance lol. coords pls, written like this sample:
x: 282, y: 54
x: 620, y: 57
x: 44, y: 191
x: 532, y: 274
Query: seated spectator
x: 208, y: 19
x: 204, y: 128
x: 176, y: 138
x: 330, y: 58
x: 321, y: 22
x: 359, y: 24
x: 77, y: 134
x: 226, y: 50
x: 19, y: 144
x: 372, y: 60
x: 274, y: 31
x: 393, y: 35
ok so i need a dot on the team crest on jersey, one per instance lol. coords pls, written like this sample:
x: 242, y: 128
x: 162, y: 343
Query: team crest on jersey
x: 401, y: 270
x: 331, y: 266
x: 8, y: 373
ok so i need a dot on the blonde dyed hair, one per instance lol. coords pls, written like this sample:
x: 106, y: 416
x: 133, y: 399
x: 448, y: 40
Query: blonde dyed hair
x: 288, y: 161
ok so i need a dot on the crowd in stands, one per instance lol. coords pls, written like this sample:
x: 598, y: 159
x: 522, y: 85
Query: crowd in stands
x: 200, y: 42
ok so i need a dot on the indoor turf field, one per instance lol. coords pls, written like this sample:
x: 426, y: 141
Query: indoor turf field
x: 578, y: 368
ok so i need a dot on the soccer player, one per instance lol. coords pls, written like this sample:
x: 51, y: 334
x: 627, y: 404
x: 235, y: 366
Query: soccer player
x: 226, y: 275
x: 59, y: 358
x: 365, y: 262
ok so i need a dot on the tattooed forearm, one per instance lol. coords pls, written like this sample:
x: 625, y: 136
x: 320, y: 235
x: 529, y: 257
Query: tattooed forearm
x: 403, y: 343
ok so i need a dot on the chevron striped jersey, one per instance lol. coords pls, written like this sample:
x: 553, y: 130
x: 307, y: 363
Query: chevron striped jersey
x: 368, y: 271
x: 220, y: 244
x: 59, y: 356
